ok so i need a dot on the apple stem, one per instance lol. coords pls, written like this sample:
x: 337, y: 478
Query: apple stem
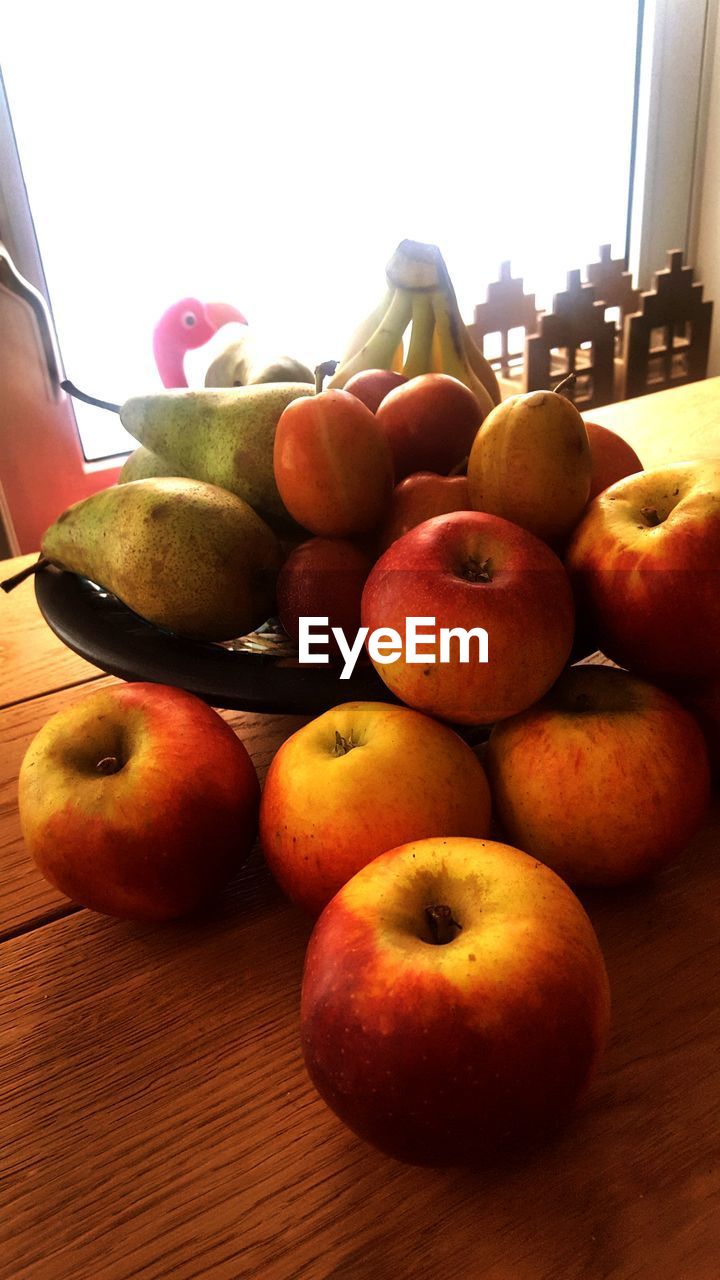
x: 323, y: 371
x: 460, y: 469
x: 566, y: 385
x: 342, y: 745
x: 17, y: 578
x: 443, y: 927
x: 108, y: 765
x: 650, y: 517
x: 478, y: 570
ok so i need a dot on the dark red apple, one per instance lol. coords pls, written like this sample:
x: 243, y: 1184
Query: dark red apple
x: 372, y: 385
x: 612, y: 458
x: 472, y: 571
x: 430, y: 423
x: 323, y: 577
x: 420, y: 497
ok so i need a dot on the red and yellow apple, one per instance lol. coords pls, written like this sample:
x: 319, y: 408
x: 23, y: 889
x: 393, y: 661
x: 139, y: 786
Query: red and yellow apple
x: 704, y: 702
x: 356, y: 781
x: 323, y: 577
x: 430, y: 423
x: 138, y: 801
x: 612, y: 458
x: 702, y: 699
x: 419, y: 497
x: 645, y: 565
x: 372, y: 385
x: 333, y: 465
x: 455, y: 1002
x: 605, y: 780
x: 471, y: 570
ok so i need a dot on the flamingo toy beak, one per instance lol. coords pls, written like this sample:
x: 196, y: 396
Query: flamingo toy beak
x: 220, y: 313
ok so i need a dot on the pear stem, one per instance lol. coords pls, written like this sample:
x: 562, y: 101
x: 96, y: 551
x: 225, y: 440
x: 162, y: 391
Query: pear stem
x: 73, y: 391
x: 566, y: 385
x: 17, y: 578
x: 323, y: 371
x: 460, y: 469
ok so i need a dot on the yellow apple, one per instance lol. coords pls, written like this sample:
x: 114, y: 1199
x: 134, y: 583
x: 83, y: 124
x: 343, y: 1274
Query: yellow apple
x: 604, y: 780
x: 356, y: 781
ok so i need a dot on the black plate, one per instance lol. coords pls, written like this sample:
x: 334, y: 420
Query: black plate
x: 105, y: 632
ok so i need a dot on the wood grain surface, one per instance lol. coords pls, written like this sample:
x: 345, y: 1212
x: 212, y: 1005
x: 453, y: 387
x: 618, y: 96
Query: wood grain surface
x: 32, y: 660
x: 669, y: 426
x: 157, y: 1121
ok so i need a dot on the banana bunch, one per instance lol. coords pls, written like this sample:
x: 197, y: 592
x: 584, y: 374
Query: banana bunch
x: 419, y: 294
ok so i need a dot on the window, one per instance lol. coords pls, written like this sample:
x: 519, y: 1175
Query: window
x: 273, y: 156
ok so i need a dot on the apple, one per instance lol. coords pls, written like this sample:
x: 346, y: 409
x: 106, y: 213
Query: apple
x: 645, y: 564
x: 430, y: 422
x: 372, y: 385
x: 356, y: 781
x: 323, y: 577
x: 455, y: 1002
x: 703, y: 701
x: 472, y: 570
x: 333, y: 465
x: 612, y: 458
x: 605, y: 780
x: 419, y: 497
x: 138, y: 801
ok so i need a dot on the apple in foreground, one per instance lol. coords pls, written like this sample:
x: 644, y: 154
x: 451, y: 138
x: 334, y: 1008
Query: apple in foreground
x: 605, y: 780
x: 356, y: 781
x: 138, y: 801
x: 372, y: 385
x: 645, y: 564
x: 430, y: 423
x: 612, y: 458
x: 323, y: 577
x: 419, y: 497
x: 472, y: 570
x: 703, y: 701
x: 455, y: 1002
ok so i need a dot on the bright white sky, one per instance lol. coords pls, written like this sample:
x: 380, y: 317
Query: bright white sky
x: 272, y: 155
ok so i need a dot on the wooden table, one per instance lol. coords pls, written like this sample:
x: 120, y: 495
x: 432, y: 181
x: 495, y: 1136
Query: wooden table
x: 157, y: 1120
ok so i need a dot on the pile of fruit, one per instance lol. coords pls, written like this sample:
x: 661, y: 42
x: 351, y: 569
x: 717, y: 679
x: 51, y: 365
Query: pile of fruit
x: 455, y: 1000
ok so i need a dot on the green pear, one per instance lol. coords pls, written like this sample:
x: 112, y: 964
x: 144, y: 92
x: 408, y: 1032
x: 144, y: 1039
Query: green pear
x: 181, y: 553
x: 224, y: 436
x: 143, y: 463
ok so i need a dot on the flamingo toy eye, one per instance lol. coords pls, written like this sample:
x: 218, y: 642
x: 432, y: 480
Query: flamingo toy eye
x: 189, y: 319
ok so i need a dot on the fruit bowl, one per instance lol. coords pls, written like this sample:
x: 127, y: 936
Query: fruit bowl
x: 98, y: 627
